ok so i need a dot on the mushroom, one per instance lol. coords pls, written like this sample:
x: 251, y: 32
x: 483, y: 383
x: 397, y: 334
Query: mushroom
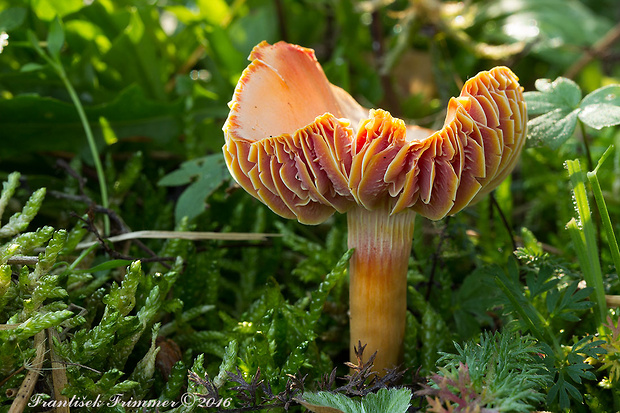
x: 307, y: 149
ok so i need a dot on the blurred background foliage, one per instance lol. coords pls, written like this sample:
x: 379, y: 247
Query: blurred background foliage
x: 155, y: 76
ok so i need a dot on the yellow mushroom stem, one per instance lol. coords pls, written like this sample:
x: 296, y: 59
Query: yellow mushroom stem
x: 378, y: 282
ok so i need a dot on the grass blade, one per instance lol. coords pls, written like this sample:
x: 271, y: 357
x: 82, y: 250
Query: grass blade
x: 583, y: 235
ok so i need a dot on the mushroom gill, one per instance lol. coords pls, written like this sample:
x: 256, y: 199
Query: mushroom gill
x: 306, y: 149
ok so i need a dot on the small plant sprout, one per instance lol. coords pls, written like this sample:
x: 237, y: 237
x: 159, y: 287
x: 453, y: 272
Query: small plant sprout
x: 307, y: 149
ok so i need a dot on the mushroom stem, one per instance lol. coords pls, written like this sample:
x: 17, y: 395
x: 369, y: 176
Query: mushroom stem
x: 378, y: 281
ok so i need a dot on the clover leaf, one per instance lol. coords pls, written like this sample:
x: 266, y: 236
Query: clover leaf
x: 558, y: 105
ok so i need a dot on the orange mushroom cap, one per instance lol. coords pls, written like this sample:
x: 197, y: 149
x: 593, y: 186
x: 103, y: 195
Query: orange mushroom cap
x: 306, y: 148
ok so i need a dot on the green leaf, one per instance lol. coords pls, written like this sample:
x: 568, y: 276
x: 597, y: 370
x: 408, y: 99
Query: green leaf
x: 12, y: 18
x: 48, y: 259
x: 583, y: 235
x: 55, y: 38
x: 31, y: 67
x: 49, y: 9
x: 5, y: 279
x: 143, y: 373
x: 228, y: 363
x: 39, y: 322
x: 602, y: 209
x: 556, y: 102
x: 601, y: 108
x: 20, y: 220
x: 562, y: 93
x: 105, y: 266
x: 213, y: 11
x: 206, y: 174
x: 34, y: 42
x: 388, y: 400
x: 557, y: 30
x: 108, y: 133
x: 600, y: 115
x: 503, y: 364
x: 194, y: 386
x: 319, y: 297
x: 553, y: 128
x: 123, y: 298
x: 49, y: 124
x: 539, y: 283
x: 385, y: 400
x: 607, y: 94
x: 8, y: 189
x: 25, y: 243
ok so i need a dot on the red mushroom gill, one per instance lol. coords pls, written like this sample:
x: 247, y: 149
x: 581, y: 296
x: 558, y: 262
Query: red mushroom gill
x: 306, y: 149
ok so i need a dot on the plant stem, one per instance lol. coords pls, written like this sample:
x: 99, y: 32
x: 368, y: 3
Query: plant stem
x: 602, y: 208
x: 91, y: 143
x: 378, y: 281
x: 584, y: 238
x: 586, y: 145
x: 56, y: 64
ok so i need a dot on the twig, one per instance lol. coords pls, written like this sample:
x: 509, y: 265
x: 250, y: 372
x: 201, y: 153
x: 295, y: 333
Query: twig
x: 23, y: 260
x: 431, y: 277
x: 27, y: 387
x: 598, y: 48
x: 281, y: 20
x: 110, y: 213
x: 189, y: 235
x: 115, y: 254
x: 198, y: 52
x: 19, y: 370
x: 61, y: 163
x: 59, y: 374
x: 379, y: 52
x: 613, y: 301
x: 504, y: 220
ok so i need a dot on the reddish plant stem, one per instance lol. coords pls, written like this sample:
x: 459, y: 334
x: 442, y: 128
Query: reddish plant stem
x: 378, y: 282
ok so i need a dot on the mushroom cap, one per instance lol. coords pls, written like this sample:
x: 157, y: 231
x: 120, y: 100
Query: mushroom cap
x: 306, y: 148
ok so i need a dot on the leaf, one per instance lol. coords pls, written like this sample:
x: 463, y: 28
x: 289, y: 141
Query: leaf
x: 385, y: 400
x: 538, y: 283
x: 318, y: 408
x: 558, y: 29
x: 31, y: 67
x: 108, y: 133
x: 49, y: 124
x: 123, y: 298
x: 20, y: 220
x: 553, y: 128
x: 213, y: 12
x: 55, y: 38
x: 583, y: 236
x: 601, y: 108
x: 228, y: 362
x: 600, y: 115
x: 331, y: 279
x: 39, y: 322
x: 562, y: 93
x: 388, y: 400
x: 12, y: 18
x: 49, y: 9
x: 206, y: 173
x: 556, y: 102
x: 143, y: 373
x: 607, y: 94
x: 8, y: 189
